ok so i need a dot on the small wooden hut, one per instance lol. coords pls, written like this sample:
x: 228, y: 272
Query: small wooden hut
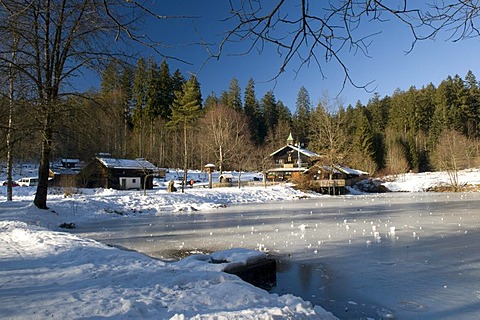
x: 121, y: 174
x: 62, y: 177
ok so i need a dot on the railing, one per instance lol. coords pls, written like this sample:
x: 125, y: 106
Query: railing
x: 291, y: 165
x: 329, y: 183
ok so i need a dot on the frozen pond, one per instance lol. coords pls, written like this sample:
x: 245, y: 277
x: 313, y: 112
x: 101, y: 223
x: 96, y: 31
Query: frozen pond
x: 398, y: 255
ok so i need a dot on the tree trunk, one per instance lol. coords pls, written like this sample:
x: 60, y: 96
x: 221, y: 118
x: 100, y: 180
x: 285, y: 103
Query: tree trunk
x: 239, y: 177
x: 220, y: 159
x: 9, y: 139
x: 125, y: 131
x: 185, y: 154
x: 40, y: 200
x: 9, y: 136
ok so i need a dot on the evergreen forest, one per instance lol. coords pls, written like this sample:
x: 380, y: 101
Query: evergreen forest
x: 149, y: 111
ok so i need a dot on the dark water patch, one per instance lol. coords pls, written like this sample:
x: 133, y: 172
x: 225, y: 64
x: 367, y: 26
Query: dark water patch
x: 261, y: 274
x: 318, y: 283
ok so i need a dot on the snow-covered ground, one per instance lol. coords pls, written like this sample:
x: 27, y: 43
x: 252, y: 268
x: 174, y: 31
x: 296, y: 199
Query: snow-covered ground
x: 48, y: 273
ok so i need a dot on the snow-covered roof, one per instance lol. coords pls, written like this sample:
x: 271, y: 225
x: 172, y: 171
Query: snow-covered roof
x: 65, y: 160
x: 303, y: 151
x: 350, y: 171
x: 342, y: 169
x: 115, y: 163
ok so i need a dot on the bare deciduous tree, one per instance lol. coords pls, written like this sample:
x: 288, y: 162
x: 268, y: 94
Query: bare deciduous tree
x: 395, y: 155
x: 57, y: 40
x: 328, y: 136
x: 306, y: 32
x: 225, y: 131
x: 453, y: 153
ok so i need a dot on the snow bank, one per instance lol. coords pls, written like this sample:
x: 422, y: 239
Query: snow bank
x: 56, y: 275
x: 420, y: 182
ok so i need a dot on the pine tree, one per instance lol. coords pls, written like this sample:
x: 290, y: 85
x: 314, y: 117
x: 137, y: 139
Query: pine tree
x: 166, y: 91
x: 152, y: 104
x: 301, y: 117
x: 116, y: 93
x: 473, y: 124
x: 268, y: 105
x: 211, y: 101
x: 284, y: 114
x: 111, y: 77
x: 139, y: 98
x: 178, y: 80
x: 253, y: 114
x: 186, y: 108
x: 234, y: 96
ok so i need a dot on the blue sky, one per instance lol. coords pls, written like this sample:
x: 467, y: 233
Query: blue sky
x: 388, y: 66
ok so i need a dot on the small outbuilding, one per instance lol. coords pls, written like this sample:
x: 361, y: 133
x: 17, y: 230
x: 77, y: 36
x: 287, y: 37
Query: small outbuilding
x: 332, y: 179
x: 226, y: 179
x: 121, y: 174
x: 62, y: 177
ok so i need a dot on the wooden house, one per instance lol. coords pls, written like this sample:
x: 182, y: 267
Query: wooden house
x: 121, y: 174
x: 332, y: 179
x: 290, y: 161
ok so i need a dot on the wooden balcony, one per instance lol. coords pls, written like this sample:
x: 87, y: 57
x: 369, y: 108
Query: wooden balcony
x: 334, y: 183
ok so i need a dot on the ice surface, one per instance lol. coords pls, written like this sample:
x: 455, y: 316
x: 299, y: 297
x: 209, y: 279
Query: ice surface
x: 402, y: 255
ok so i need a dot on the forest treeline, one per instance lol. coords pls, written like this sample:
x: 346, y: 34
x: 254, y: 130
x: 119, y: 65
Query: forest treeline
x: 148, y: 111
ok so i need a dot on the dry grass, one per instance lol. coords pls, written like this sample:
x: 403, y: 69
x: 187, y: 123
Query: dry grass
x: 449, y: 188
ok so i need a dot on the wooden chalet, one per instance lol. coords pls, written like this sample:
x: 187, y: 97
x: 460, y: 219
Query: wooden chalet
x: 293, y: 160
x: 290, y: 161
x: 121, y: 174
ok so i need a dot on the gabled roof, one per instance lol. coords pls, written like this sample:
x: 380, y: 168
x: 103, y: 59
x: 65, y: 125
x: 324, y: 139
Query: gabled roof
x: 341, y: 169
x: 350, y: 171
x: 115, y: 163
x: 303, y: 151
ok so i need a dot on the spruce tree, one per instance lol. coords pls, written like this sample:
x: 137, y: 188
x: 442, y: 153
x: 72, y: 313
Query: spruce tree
x: 152, y: 104
x: 186, y: 109
x: 235, y: 95
x: 139, y: 99
x: 252, y: 112
x: 210, y: 101
x: 268, y: 105
x: 166, y: 91
x: 473, y: 124
x: 302, y: 115
x: 110, y: 77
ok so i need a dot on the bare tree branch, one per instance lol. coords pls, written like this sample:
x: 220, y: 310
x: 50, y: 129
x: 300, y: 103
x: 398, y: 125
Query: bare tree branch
x: 308, y: 32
